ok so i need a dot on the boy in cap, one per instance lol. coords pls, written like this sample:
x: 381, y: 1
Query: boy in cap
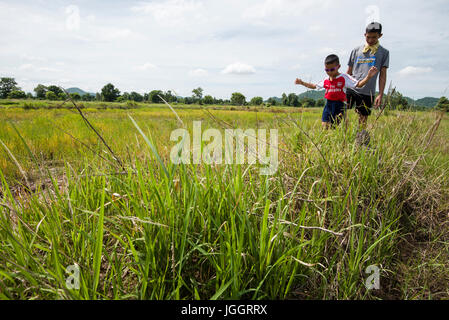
x: 362, y: 58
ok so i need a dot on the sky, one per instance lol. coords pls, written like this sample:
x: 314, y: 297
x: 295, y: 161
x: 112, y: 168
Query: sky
x: 257, y: 48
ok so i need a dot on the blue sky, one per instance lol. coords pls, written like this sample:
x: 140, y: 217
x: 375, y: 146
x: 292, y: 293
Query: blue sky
x: 254, y: 47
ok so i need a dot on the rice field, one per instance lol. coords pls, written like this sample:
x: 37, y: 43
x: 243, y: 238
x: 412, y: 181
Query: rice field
x: 134, y: 225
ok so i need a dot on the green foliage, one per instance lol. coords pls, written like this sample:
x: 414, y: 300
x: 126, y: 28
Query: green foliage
x: 198, y: 93
x: 398, y: 101
x: 307, y: 103
x: 62, y: 96
x: 272, y: 101
x: 292, y: 100
x: 196, y: 231
x: 284, y: 99
x: 170, y: 97
x: 40, y: 91
x: 443, y: 104
x: 50, y: 95
x: 17, y: 94
x: 58, y: 91
x: 75, y: 96
x: 109, y: 93
x: 208, y: 100
x: 256, y: 101
x: 137, y: 97
x: 87, y: 97
x: 320, y: 103
x: 238, y: 99
x: 7, y: 85
x: 153, y: 96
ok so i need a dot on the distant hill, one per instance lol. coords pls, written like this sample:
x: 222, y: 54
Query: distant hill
x: 428, y: 102
x: 79, y: 91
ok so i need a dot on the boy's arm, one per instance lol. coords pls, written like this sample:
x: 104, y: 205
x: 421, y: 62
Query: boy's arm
x: 305, y: 84
x: 371, y: 73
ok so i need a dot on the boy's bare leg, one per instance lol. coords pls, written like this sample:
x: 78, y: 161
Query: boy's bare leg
x: 325, y: 125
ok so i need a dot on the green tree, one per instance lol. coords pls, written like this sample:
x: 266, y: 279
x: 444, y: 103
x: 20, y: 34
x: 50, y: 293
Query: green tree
x: 29, y: 95
x: 256, y: 101
x: 17, y: 94
x: 109, y: 93
x: 238, y: 99
x: 189, y: 100
x: 320, y: 103
x: 40, y: 91
x: 6, y: 86
x: 398, y: 102
x: 75, y: 96
x: 50, y: 95
x: 443, y: 104
x: 284, y: 99
x: 153, y: 96
x: 137, y: 97
x: 272, y: 101
x: 62, y: 96
x: 124, y: 97
x: 292, y: 100
x: 307, y: 102
x: 198, y: 94
x: 208, y: 100
x: 170, y: 97
x: 55, y: 89
x: 87, y: 97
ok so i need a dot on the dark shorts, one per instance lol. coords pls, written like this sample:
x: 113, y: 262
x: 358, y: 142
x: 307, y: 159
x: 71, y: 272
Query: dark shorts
x: 333, y: 111
x: 362, y: 102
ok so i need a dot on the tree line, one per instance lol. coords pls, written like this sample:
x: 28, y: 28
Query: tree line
x: 109, y: 93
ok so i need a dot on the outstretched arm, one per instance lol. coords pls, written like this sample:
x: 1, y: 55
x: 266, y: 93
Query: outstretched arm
x: 371, y: 73
x: 305, y: 84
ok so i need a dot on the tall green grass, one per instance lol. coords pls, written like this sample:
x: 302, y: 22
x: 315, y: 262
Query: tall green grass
x: 165, y: 231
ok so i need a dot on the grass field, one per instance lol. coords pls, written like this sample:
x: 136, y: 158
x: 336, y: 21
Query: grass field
x: 150, y: 229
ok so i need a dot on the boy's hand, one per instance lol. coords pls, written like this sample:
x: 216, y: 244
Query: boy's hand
x: 299, y: 81
x: 372, y: 72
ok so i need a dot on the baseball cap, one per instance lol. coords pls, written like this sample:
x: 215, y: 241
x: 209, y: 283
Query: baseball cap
x: 374, y: 27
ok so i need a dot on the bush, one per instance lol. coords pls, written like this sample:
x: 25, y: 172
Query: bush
x: 50, y: 95
x: 17, y: 94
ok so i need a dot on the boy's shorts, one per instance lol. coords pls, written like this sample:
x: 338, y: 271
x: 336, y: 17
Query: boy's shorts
x: 333, y: 112
x: 363, y: 103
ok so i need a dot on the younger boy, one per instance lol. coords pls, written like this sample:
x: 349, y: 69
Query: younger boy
x: 336, y: 86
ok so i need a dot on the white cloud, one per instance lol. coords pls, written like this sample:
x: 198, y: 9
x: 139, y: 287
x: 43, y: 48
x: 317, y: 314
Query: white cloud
x: 172, y: 12
x: 31, y: 68
x: 413, y: 71
x: 146, y: 66
x: 271, y: 8
x: 198, y: 73
x: 239, y: 68
x: 31, y: 57
x: 325, y: 51
x: 26, y: 67
x: 47, y: 69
